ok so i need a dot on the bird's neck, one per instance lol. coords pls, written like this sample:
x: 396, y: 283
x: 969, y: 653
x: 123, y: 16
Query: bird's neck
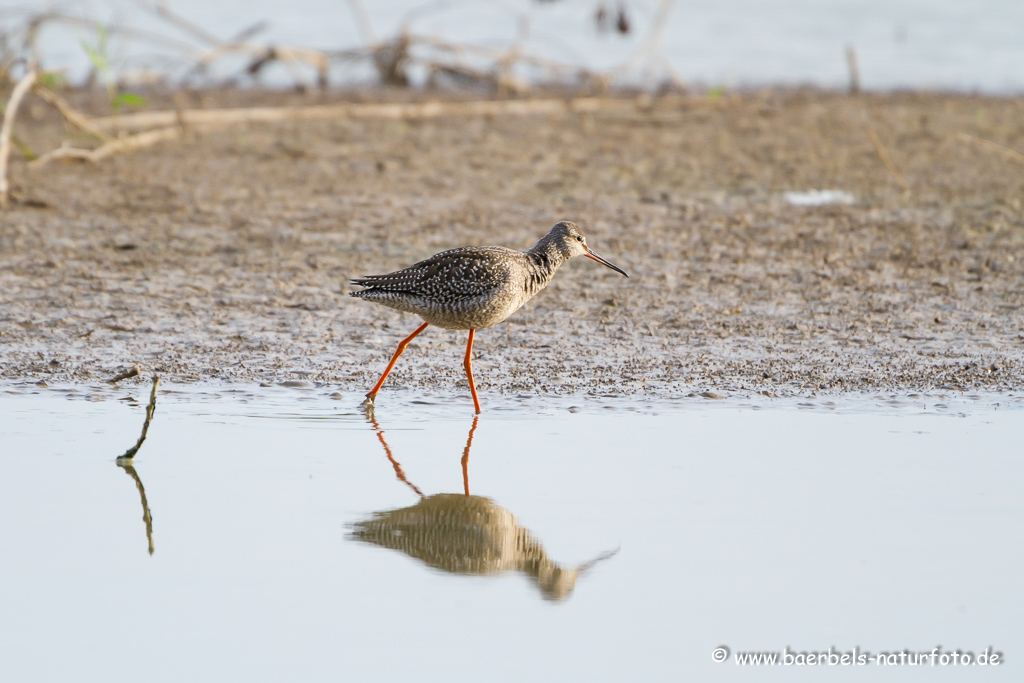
x: 543, y: 261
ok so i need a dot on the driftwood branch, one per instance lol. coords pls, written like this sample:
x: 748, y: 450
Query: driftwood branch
x: 130, y: 453
x: 153, y: 127
x: 125, y: 144
x: 7, y: 129
x: 73, y: 117
x: 261, y: 54
x: 424, y: 110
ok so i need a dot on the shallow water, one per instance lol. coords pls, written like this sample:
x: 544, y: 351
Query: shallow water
x: 881, y: 523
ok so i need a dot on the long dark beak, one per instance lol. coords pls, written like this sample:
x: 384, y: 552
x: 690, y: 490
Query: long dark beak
x: 591, y: 255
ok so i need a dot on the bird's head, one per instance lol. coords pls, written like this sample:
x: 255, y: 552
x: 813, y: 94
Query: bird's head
x: 570, y: 241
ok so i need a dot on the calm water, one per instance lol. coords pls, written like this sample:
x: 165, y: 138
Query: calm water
x: 947, y: 44
x: 295, y: 539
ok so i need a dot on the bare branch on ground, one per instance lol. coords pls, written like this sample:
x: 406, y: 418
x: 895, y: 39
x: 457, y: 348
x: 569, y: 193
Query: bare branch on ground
x: 424, y: 110
x: 7, y: 129
x: 73, y: 117
x: 125, y: 144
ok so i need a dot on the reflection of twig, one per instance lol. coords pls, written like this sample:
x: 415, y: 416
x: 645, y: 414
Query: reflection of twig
x: 1011, y: 154
x: 126, y: 465
x: 7, y: 129
x: 883, y: 154
x: 130, y: 453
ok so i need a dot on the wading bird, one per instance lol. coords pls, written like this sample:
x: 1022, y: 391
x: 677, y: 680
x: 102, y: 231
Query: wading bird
x: 470, y: 288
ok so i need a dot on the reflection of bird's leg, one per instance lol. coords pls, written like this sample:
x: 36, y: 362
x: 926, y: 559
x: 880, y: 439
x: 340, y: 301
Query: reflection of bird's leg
x: 146, y: 517
x: 387, y: 451
x: 465, y: 455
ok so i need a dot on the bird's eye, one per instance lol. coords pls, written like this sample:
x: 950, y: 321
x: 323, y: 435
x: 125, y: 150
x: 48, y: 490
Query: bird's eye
x: 579, y: 238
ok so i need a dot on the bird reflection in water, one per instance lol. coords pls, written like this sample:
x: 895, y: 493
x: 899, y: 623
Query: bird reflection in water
x: 465, y: 534
x: 127, y: 466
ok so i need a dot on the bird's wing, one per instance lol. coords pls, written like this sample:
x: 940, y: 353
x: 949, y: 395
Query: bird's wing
x: 455, y: 274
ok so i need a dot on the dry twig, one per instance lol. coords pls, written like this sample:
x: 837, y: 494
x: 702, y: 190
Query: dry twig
x: 131, y: 372
x: 262, y: 55
x: 424, y: 110
x: 73, y: 117
x: 7, y: 129
x: 125, y: 144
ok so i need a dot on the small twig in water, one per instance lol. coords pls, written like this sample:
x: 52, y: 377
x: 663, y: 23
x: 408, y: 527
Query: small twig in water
x: 131, y: 372
x: 130, y: 453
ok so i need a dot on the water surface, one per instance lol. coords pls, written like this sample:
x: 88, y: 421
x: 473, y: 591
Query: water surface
x: 287, y: 536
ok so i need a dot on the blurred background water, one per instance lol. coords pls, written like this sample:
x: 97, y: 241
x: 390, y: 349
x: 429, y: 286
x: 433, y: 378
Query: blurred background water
x: 917, y: 44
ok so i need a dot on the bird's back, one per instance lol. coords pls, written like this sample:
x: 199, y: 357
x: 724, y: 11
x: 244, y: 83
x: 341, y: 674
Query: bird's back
x: 464, y: 288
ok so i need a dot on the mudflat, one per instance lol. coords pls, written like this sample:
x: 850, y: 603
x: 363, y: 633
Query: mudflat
x: 225, y: 255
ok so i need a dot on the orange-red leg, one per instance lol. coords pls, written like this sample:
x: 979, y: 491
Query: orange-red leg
x: 401, y: 347
x: 468, y: 364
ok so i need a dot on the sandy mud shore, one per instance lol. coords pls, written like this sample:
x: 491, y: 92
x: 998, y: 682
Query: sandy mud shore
x: 225, y: 255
